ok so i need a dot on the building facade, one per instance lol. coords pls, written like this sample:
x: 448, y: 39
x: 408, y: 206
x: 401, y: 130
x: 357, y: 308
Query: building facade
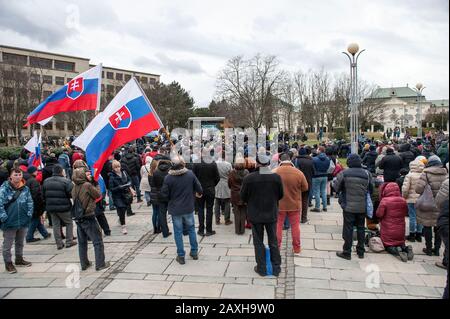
x: 46, y: 72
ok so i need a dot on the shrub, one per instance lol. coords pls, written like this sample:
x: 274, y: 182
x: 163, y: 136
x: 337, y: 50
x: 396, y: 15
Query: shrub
x: 6, y: 152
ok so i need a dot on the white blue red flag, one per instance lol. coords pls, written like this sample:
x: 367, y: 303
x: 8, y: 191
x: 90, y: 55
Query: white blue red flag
x: 80, y: 94
x: 129, y: 116
x: 34, y: 147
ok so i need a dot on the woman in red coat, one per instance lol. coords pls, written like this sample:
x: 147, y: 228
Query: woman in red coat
x: 391, y: 213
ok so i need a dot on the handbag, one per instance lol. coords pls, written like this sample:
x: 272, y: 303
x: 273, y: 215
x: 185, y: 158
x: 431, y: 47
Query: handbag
x: 426, y: 202
x: 331, y: 167
x: 127, y: 195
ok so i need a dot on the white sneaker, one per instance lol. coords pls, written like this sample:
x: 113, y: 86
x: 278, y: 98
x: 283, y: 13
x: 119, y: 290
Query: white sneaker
x: 124, y: 230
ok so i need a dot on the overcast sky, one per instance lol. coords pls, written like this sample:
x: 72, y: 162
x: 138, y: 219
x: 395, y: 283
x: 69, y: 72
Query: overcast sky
x: 190, y: 41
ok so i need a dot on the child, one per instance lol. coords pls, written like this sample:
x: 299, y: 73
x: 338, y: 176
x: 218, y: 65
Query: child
x: 391, y: 213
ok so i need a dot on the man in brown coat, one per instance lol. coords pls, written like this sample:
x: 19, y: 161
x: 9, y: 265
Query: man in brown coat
x: 294, y: 183
x: 87, y: 191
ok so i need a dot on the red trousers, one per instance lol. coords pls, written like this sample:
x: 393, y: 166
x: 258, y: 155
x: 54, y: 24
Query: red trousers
x: 294, y: 221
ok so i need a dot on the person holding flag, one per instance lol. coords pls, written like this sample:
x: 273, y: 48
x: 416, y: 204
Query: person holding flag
x: 80, y: 94
x: 34, y: 147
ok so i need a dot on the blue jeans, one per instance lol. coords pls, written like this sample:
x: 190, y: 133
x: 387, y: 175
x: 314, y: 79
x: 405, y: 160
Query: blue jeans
x: 35, y: 223
x: 147, y: 196
x: 320, y: 189
x: 111, y: 203
x: 413, y: 226
x: 189, y: 223
x: 136, y: 184
x: 155, y: 217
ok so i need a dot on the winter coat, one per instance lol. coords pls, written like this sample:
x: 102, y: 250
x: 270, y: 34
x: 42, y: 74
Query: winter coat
x: 262, y: 192
x: 305, y: 164
x: 47, y: 171
x: 434, y: 176
x: 157, y: 180
x: 18, y: 213
x: 352, y: 186
x: 406, y: 155
x: 321, y: 164
x: 442, y: 195
x: 132, y: 163
x: 77, y: 156
x: 442, y: 151
x: 294, y: 184
x: 235, y: 180
x: 106, y: 170
x: 3, y: 175
x: 57, y: 193
x: 36, y: 193
x: 145, y: 171
x: 222, y: 189
x: 409, y: 184
x: 179, y: 189
x: 208, y: 176
x: 391, y: 165
x: 391, y: 213
x: 369, y: 160
x: 119, y: 187
x: 87, y: 192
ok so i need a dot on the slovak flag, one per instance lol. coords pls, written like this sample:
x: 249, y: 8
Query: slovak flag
x: 34, y: 147
x: 80, y: 94
x: 129, y: 116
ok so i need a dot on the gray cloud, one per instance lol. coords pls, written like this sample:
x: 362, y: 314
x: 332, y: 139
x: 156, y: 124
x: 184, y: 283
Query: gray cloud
x: 172, y: 65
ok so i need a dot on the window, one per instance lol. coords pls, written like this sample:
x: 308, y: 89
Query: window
x: 47, y: 94
x: 64, y: 65
x: 47, y: 79
x: 110, y: 75
x: 8, y: 92
x: 103, y: 74
x: 138, y: 78
x: 17, y: 59
x: 35, y: 78
x: 127, y: 77
x: 118, y: 88
x: 152, y: 81
x: 103, y: 87
x: 144, y: 80
x: 60, y: 125
x: 69, y: 79
x: 59, y: 80
x: 41, y: 62
x: 110, y: 88
x: 119, y: 76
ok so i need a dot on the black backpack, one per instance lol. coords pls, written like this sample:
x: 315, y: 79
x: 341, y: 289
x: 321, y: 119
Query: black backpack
x: 77, y: 211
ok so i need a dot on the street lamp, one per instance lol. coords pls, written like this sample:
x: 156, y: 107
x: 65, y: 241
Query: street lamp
x: 353, y: 49
x: 419, y: 89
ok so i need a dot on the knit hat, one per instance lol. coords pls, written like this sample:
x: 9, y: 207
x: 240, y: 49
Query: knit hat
x: 31, y: 169
x: 372, y: 148
x: 302, y: 151
x: 354, y: 160
x: 434, y: 161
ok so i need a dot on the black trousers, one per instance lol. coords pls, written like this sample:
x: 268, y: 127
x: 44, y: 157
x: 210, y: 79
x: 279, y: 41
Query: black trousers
x: 305, y: 196
x: 260, y: 249
x: 443, y: 232
x: 101, y: 218
x: 207, y: 201
x: 428, y: 234
x: 353, y: 220
x: 163, y: 219
x: 89, y: 228
x: 121, y: 211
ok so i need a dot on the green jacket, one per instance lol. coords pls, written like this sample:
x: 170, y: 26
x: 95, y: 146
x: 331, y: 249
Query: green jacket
x: 18, y: 213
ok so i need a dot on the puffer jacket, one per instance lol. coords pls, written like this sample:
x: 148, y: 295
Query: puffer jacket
x: 87, y: 192
x: 305, y: 164
x: 442, y: 195
x: 145, y: 171
x: 434, y: 176
x: 36, y: 193
x: 119, y: 185
x: 18, y: 213
x: 235, y: 180
x: 391, y: 213
x: 406, y: 155
x: 369, y: 160
x: 57, y: 191
x: 391, y: 164
x: 132, y: 164
x: 157, y: 180
x: 321, y: 164
x: 442, y: 151
x: 409, y: 184
x: 222, y: 189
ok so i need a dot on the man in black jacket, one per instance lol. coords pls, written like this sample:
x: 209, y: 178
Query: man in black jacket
x: 132, y: 165
x: 50, y: 162
x: 262, y: 190
x: 391, y: 165
x: 370, y: 158
x: 38, y: 207
x: 305, y: 164
x: 57, y: 193
x: 352, y: 186
x: 406, y: 155
x: 208, y: 176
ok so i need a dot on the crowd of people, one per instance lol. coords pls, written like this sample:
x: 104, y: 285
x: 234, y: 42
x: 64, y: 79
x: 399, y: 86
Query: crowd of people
x: 385, y: 183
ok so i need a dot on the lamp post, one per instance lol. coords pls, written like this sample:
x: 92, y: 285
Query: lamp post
x: 353, y: 56
x: 419, y: 90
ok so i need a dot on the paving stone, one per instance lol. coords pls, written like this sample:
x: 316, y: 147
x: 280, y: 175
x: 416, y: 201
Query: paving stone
x: 317, y: 262
x: 394, y: 289
x: 325, y: 223
x: 125, y: 275
x: 198, y: 268
x: 412, y: 279
x: 167, y: 297
x: 138, y: 286
x: 195, y: 289
x: 392, y: 278
x: 389, y: 296
x: 43, y: 293
x: 25, y: 282
x: 216, y: 280
x: 303, y: 262
x: 341, y: 264
x: 312, y: 283
x: 311, y: 293
x: 329, y: 229
x: 264, y: 282
x: 213, y: 251
x: 153, y: 249
x: 324, y: 244
x: 83, y: 282
x: 434, y: 281
x: 234, y: 258
x: 349, y: 275
x: 312, y: 273
x: 314, y: 253
x: 112, y: 295
x: 148, y: 265
x: 241, y: 252
x: 305, y: 228
x: 316, y: 236
x: 433, y: 269
x: 361, y: 295
x: 235, y: 291
x: 422, y: 291
x: 225, y: 239
x: 356, y: 286
x: 4, y: 292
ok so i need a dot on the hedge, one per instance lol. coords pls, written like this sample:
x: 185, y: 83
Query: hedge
x: 6, y: 152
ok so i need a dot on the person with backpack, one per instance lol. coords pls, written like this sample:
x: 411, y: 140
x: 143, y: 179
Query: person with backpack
x: 433, y: 175
x: 85, y: 193
x: 122, y: 193
x: 392, y: 212
x: 57, y: 191
x: 16, y: 209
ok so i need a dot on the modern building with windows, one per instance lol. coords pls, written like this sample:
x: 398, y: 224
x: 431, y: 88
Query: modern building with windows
x: 47, y: 72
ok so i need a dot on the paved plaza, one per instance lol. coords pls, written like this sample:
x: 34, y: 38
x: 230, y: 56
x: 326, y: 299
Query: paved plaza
x: 144, y: 266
